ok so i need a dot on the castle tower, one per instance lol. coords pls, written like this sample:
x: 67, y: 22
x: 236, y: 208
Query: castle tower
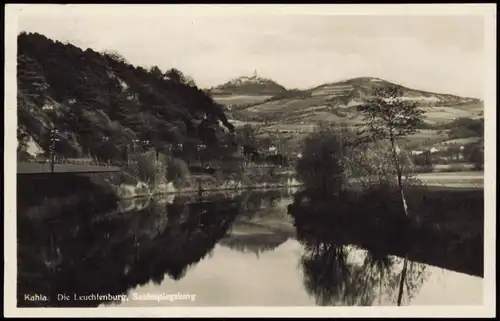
x: 255, y: 73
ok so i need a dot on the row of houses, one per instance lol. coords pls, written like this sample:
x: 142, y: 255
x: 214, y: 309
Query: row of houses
x: 446, y: 152
x: 432, y: 150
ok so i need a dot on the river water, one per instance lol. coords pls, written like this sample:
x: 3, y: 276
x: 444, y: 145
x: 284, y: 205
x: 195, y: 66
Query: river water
x: 224, y: 250
x: 233, y: 278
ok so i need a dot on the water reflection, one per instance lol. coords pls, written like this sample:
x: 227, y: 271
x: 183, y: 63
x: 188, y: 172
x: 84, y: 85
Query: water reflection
x: 243, y: 249
x: 341, y: 275
x: 110, y: 252
x: 354, y: 257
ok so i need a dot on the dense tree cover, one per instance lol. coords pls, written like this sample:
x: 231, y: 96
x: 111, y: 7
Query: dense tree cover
x: 107, y: 103
x: 462, y: 127
x: 476, y: 157
x: 466, y: 127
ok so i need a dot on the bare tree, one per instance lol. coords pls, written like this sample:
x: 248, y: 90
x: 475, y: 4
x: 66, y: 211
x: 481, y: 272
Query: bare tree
x: 389, y: 117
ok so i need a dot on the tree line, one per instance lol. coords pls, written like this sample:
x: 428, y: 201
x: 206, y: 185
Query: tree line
x: 102, y: 105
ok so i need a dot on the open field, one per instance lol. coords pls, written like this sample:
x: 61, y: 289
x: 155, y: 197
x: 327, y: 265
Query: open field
x: 427, y: 138
x: 472, y: 179
x: 307, y: 128
x: 463, y: 180
x: 435, y: 115
x: 304, y: 106
x: 467, y: 175
x: 236, y: 100
x: 240, y: 123
x: 453, y: 168
x: 460, y: 141
x: 288, y: 105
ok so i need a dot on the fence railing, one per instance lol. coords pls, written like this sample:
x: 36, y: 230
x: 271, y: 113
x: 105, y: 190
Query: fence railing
x: 75, y: 162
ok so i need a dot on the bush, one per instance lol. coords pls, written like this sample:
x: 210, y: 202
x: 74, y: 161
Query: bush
x: 322, y: 166
x: 477, y: 158
x: 146, y: 168
x: 424, y: 161
x: 374, y: 165
x: 177, y: 172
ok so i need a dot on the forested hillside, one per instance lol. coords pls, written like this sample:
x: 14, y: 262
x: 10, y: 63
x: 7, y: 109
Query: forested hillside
x: 99, y: 103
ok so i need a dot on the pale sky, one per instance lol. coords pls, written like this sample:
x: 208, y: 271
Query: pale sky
x: 437, y: 53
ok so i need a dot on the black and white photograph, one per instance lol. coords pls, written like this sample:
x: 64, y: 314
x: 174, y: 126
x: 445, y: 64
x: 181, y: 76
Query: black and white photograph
x: 246, y: 158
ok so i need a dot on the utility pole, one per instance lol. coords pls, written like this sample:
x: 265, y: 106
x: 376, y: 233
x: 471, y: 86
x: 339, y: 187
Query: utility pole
x: 105, y: 140
x: 127, y: 147
x: 53, y: 139
x: 133, y: 145
x: 341, y: 155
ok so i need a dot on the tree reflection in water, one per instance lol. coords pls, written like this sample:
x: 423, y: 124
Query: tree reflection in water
x: 111, y: 251
x: 326, y: 273
x: 338, y: 274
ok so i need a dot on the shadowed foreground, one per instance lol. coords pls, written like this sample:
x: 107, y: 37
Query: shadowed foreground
x: 445, y: 226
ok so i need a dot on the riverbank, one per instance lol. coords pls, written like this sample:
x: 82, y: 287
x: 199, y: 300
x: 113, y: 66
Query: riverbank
x: 62, y: 187
x: 127, y: 186
x: 42, y: 196
x: 168, y: 189
x: 196, y: 184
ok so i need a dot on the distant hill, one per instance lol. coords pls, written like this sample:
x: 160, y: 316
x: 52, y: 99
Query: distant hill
x: 249, y: 86
x: 245, y: 91
x: 358, y: 90
x: 100, y: 104
x: 337, y: 102
x: 287, y: 116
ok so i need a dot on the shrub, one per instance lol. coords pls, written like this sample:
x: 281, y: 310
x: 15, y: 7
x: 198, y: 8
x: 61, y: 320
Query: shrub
x: 424, y: 161
x: 374, y: 165
x: 476, y: 157
x: 322, y: 166
x: 177, y: 172
x: 146, y: 168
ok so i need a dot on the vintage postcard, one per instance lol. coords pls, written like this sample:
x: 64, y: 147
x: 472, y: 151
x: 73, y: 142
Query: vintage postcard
x: 250, y: 160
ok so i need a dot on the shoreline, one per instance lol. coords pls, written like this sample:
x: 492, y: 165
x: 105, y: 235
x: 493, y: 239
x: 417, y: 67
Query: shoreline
x: 434, y: 183
x: 192, y: 191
